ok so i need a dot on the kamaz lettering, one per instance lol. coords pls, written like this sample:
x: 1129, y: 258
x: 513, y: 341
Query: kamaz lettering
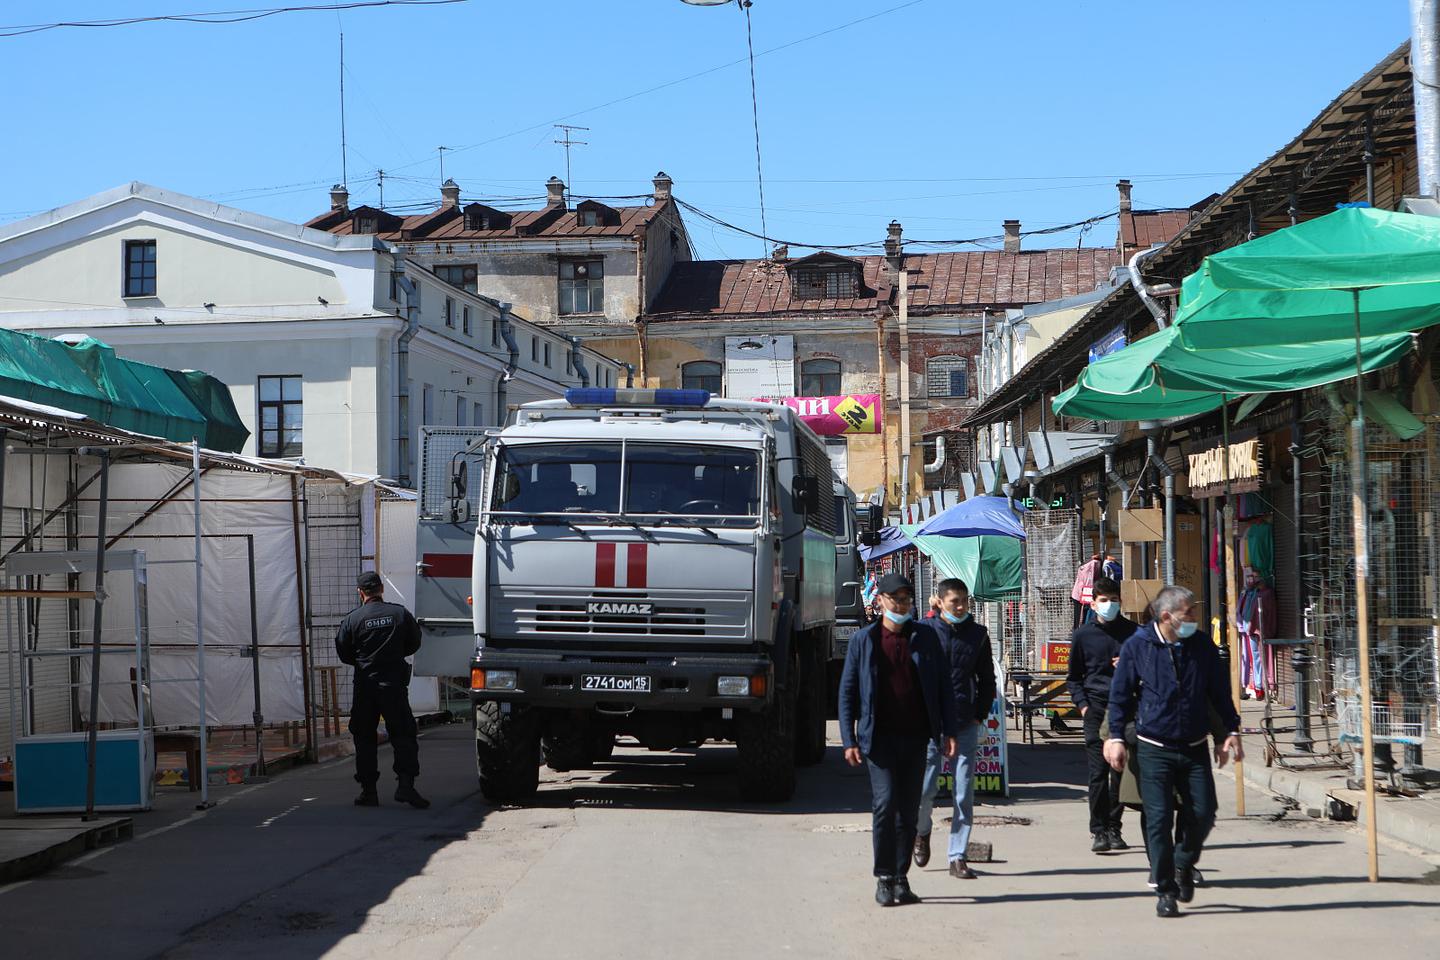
x: 625, y: 609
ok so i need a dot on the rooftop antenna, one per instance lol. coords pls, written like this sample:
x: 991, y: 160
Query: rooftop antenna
x: 381, y: 175
x: 442, y: 164
x: 344, y: 168
x: 567, y: 143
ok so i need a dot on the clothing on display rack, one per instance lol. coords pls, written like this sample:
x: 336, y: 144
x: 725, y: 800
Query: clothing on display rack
x: 1085, y: 580
x: 1255, y: 621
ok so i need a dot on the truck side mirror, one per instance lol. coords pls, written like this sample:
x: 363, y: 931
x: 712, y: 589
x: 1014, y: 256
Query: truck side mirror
x: 807, y: 494
x: 869, y: 538
x: 459, y: 479
x: 874, y: 516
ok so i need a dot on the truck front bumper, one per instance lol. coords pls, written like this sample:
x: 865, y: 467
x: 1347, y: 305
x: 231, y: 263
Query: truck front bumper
x: 671, y: 683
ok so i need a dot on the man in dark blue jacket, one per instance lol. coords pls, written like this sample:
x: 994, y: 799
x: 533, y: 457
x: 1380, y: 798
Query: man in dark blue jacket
x: 895, y: 698
x: 972, y: 678
x: 1094, y: 649
x: 1168, y: 679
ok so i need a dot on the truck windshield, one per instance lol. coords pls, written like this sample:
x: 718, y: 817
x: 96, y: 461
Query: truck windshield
x: 719, y: 484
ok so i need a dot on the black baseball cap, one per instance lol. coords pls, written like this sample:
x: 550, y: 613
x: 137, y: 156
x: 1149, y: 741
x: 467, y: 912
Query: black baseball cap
x: 893, y: 583
x: 369, y: 581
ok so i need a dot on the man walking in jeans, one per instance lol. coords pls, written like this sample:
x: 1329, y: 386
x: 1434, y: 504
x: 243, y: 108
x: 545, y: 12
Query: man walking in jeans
x: 895, y: 698
x: 1168, y: 679
x: 972, y: 679
x: 1094, y: 649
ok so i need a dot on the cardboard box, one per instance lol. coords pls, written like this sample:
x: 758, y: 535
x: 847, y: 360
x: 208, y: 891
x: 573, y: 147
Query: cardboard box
x: 1142, y: 526
x: 1135, y: 595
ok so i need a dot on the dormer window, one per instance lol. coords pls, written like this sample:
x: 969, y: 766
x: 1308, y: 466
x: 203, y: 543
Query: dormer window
x: 367, y: 223
x: 593, y: 213
x: 480, y: 217
x: 827, y: 283
x: 589, y: 218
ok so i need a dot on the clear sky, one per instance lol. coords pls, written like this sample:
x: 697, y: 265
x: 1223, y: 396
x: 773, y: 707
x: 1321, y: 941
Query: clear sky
x: 949, y: 115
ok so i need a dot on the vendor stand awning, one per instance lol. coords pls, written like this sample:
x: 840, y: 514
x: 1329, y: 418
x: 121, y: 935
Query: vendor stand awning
x: 990, y: 566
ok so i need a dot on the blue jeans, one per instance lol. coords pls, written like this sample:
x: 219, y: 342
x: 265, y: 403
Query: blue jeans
x: 1163, y: 774
x: 897, y: 770
x: 963, y: 817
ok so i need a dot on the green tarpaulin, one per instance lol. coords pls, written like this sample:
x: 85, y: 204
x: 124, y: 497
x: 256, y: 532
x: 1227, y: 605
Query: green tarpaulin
x: 1295, y: 285
x: 1159, y: 377
x: 89, y: 379
x: 990, y: 566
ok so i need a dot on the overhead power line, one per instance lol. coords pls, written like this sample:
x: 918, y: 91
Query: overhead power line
x: 218, y: 16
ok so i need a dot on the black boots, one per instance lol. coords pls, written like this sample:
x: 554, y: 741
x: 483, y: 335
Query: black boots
x: 368, y: 797
x: 406, y: 793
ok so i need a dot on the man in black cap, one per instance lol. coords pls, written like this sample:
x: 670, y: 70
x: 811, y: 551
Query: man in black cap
x: 375, y: 638
x: 895, y: 698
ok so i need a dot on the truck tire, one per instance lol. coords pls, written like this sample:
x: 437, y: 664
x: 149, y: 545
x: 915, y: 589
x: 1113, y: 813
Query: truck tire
x: 506, y: 754
x: 565, y: 752
x: 602, y: 745
x: 810, y: 709
x: 765, y: 740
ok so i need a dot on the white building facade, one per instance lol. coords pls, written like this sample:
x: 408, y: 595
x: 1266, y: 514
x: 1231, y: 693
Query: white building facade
x: 335, y: 348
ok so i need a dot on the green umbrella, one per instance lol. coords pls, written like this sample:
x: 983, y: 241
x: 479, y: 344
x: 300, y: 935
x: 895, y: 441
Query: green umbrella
x: 1160, y: 377
x: 990, y: 566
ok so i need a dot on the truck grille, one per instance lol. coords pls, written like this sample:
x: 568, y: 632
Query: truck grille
x: 708, y: 615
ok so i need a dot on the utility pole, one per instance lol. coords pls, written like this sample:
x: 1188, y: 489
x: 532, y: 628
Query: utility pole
x: 381, y: 175
x: 567, y: 143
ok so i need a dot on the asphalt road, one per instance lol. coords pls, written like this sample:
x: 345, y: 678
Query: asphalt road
x: 655, y: 856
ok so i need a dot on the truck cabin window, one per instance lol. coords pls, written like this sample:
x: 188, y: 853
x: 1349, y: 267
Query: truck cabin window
x: 720, y: 484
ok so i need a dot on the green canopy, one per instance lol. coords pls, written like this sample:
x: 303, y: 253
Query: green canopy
x: 1297, y: 284
x: 990, y: 566
x: 1160, y: 377
x: 88, y: 378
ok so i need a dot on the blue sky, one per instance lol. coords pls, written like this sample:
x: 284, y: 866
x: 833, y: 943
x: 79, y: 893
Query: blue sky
x: 948, y: 115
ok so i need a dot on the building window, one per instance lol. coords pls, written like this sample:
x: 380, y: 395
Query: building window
x: 827, y: 284
x: 427, y: 405
x: 139, y: 268
x: 589, y: 218
x: 394, y: 286
x: 477, y: 415
x: 947, y: 377
x: 367, y: 223
x: 459, y: 411
x: 462, y: 275
x: 534, y: 349
x: 465, y: 320
x: 495, y: 333
x: 702, y: 375
x: 547, y: 353
x: 582, y: 286
x: 820, y: 378
x: 450, y: 313
x: 282, y: 424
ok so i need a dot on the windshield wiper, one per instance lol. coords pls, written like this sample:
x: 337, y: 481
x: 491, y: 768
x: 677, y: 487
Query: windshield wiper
x: 687, y: 522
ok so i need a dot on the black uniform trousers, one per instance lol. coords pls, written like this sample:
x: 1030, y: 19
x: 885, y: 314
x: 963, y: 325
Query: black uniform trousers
x: 372, y: 700
x: 1105, y: 807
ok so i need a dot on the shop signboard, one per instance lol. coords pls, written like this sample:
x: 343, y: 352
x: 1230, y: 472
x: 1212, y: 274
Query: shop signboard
x: 1110, y: 343
x: 1246, y: 465
x: 762, y: 365
x: 836, y: 416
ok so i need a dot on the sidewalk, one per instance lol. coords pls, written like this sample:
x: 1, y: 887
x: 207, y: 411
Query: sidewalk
x: 1323, y: 792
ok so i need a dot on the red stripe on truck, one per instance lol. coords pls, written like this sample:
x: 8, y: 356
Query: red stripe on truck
x: 446, y: 565
x: 604, y: 564
x: 635, y: 567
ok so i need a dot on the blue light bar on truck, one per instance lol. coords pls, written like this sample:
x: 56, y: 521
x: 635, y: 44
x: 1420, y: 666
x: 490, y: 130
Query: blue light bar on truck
x: 620, y: 397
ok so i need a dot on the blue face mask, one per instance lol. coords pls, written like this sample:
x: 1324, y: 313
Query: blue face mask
x: 898, y: 619
x: 951, y: 618
x: 1186, y: 628
x: 1107, y: 610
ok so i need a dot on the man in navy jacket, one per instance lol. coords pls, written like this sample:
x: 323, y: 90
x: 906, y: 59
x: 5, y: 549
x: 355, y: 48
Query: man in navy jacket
x: 972, y: 678
x: 1168, y: 679
x: 895, y: 698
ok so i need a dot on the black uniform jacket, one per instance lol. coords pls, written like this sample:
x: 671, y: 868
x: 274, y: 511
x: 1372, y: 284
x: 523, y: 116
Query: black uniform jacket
x: 375, y: 638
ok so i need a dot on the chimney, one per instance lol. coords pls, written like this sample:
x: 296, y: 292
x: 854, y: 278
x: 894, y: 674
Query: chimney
x: 663, y: 183
x: 449, y: 194
x: 339, y: 198
x: 781, y: 253
x: 555, y: 190
x: 1124, y: 187
x: 1012, y: 236
x: 894, y: 250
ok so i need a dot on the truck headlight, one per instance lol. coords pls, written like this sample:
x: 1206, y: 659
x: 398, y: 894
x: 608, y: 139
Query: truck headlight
x: 733, y: 686
x: 499, y: 680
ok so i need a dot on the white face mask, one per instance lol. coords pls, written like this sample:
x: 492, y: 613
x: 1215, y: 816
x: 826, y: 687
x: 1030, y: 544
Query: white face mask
x: 1107, y: 610
x: 898, y: 619
x: 1186, y: 628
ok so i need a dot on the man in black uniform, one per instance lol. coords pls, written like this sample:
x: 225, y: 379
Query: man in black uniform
x: 375, y: 638
x: 1094, y: 648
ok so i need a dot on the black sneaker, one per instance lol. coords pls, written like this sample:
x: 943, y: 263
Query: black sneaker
x: 922, y: 849
x: 1165, y: 906
x: 885, y: 892
x: 1100, y: 843
x: 1185, y: 880
x: 1117, y: 842
x: 368, y: 798
x: 903, y: 893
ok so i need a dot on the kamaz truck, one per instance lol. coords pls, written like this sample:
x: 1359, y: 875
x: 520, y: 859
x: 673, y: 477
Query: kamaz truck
x: 654, y: 564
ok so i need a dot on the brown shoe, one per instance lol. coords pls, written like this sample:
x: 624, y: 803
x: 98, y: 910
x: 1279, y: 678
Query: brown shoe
x: 922, y: 849
x: 960, y: 870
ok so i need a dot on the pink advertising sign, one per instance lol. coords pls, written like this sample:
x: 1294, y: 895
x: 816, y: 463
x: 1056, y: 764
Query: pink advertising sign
x: 836, y: 416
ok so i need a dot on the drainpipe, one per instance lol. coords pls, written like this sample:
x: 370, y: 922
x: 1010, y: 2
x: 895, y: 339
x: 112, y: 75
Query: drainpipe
x: 939, y: 463
x: 402, y: 366
x: 577, y: 362
x: 1136, y: 281
x: 629, y: 375
x: 1425, y: 68
x: 507, y: 333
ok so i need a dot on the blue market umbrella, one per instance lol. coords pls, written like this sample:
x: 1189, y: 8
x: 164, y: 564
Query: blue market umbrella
x: 976, y: 517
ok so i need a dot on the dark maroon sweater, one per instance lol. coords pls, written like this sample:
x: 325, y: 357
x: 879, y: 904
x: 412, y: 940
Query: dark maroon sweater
x: 899, y: 701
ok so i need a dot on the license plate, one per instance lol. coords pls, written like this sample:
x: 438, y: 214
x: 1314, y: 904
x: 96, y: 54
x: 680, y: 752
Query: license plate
x: 618, y: 684
x: 844, y: 633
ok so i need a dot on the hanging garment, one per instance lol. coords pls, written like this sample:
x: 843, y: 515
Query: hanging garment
x: 1084, y: 581
x: 1255, y: 620
x: 1260, y: 550
x: 1112, y: 569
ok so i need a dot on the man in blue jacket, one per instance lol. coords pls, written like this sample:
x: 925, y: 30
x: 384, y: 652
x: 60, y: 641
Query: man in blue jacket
x: 895, y: 698
x: 972, y: 679
x: 1168, y: 679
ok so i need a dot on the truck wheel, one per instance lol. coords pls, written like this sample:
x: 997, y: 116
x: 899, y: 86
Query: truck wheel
x: 810, y: 711
x: 505, y: 753
x: 602, y: 745
x: 567, y: 751
x: 767, y: 755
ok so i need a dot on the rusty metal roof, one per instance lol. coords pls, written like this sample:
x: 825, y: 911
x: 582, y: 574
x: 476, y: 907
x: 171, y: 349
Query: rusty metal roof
x: 448, y: 224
